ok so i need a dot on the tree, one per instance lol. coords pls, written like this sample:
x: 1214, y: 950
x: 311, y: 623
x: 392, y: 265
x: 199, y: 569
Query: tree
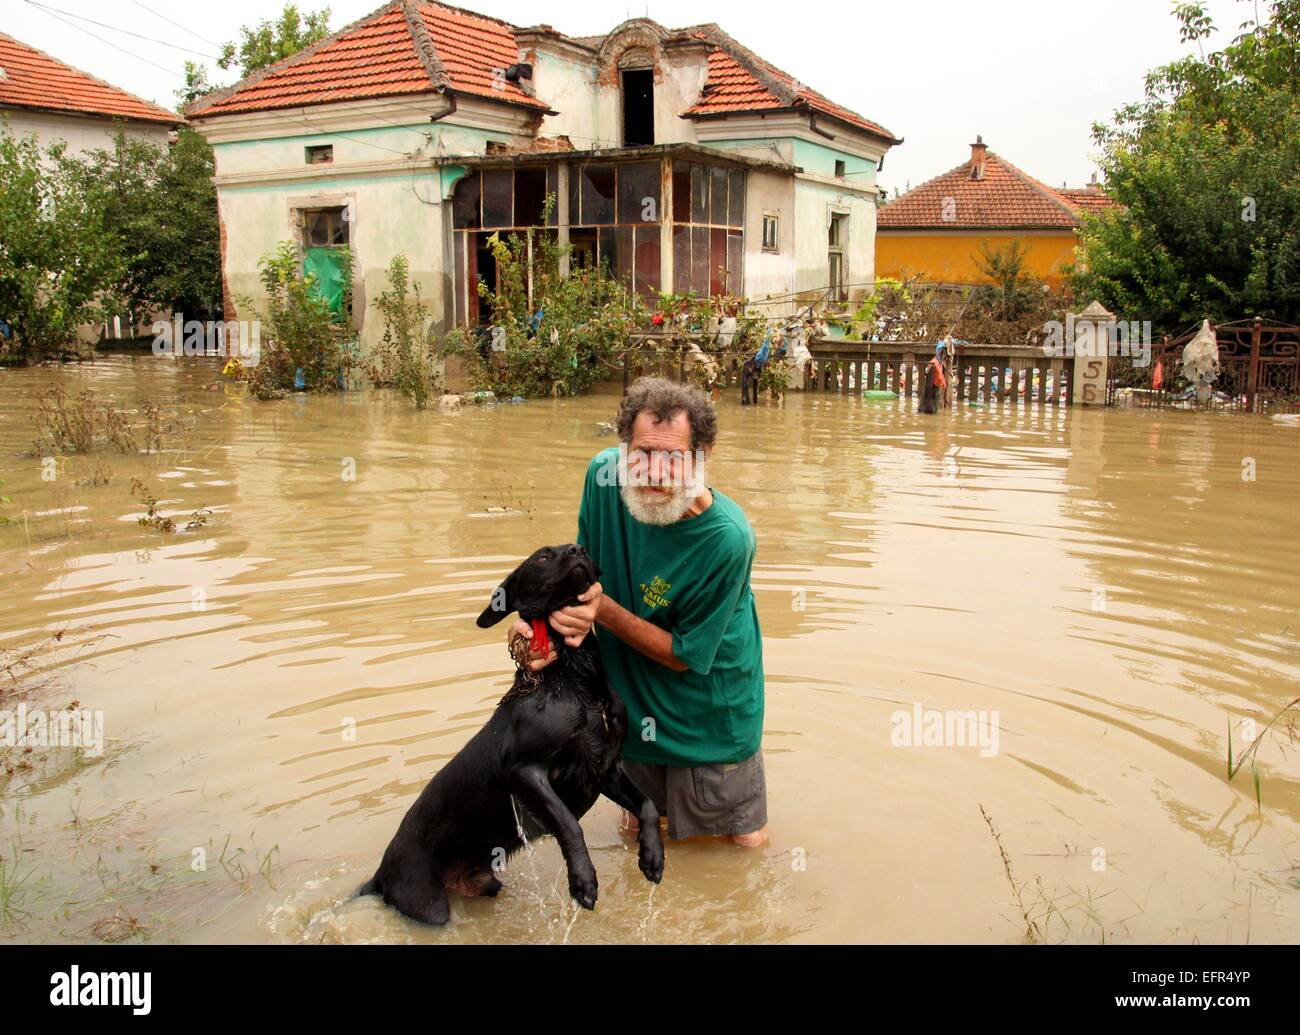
x: 268, y: 42
x: 57, y: 260
x: 160, y: 207
x: 196, y: 85
x: 186, y: 265
x: 1012, y: 290
x: 1206, y: 169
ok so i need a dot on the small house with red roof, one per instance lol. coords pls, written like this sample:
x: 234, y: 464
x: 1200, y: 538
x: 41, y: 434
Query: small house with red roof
x: 41, y: 95
x: 679, y: 157
x: 935, y: 231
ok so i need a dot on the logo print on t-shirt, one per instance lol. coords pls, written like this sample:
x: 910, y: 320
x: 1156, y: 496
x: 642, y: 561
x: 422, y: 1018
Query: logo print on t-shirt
x: 654, y: 593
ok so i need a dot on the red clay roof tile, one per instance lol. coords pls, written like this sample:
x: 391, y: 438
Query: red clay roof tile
x: 1088, y: 199
x: 379, y: 56
x: 730, y: 88
x: 34, y: 79
x: 1005, y: 196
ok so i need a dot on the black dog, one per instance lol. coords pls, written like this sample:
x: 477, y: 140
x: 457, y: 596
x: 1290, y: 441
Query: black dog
x: 549, y: 751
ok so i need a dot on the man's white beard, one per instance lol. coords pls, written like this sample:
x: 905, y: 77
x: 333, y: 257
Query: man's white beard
x: 663, y: 508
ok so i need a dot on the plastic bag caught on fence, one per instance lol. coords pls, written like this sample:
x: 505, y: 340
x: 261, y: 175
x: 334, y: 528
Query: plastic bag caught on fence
x: 1201, y: 361
x: 799, y: 353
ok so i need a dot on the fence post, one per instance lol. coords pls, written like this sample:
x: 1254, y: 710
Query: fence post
x: 1252, y: 375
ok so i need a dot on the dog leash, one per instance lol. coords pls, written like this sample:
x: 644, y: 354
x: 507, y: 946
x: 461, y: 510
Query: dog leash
x: 519, y: 647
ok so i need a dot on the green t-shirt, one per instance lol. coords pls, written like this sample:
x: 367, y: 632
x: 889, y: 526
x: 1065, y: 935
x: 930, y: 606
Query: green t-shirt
x: 691, y: 578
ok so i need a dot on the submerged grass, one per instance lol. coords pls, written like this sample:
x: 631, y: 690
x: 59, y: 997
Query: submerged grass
x: 1251, y: 754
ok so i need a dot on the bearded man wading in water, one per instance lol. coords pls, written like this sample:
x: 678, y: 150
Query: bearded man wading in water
x: 675, y: 620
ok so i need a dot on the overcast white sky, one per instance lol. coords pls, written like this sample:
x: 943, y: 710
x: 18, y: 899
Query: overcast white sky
x: 1031, y: 76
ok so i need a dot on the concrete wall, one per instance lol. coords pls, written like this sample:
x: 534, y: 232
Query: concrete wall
x: 806, y: 211
x: 588, y: 94
x: 819, y: 159
x: 677, y: 87
x: 278, y: 154
x: 769, y: 273
x: 391, y: 214
x: 568, y: 87
x: 815, y: 204
x: 413, y: 139
x: 948, y: 256
x: 80, y: 133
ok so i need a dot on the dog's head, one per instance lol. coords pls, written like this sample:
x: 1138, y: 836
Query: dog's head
x: 551, y: 578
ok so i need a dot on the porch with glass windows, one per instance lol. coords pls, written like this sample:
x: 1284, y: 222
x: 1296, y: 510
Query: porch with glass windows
x: 661, y: 218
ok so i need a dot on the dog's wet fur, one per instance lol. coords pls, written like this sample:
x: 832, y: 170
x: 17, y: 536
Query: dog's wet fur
x: 547, y: 753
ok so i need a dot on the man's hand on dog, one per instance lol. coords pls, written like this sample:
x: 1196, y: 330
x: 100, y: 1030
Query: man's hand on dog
x: 573, y: 623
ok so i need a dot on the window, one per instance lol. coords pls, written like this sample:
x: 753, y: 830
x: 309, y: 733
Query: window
x: 835, y: 264
x: 708, y: 228
x: 638, y: 107
x: 596, y: 191
x: 324, y: 228
x: 771, y: 232
x: 638, y: 192
x: 530, y: 196
x: 614, y: 219
x: 319, y: 154
x: 498, y: 197
x: 839, y: 167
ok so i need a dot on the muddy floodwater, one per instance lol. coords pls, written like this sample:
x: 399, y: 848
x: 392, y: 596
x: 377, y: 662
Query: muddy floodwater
x: 1103, y: 594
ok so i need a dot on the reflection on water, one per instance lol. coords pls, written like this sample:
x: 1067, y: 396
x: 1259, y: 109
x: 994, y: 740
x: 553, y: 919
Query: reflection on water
x: 279, y: 683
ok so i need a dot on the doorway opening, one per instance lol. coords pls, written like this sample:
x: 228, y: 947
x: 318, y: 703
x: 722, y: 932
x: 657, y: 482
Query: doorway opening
x: 638, y: 107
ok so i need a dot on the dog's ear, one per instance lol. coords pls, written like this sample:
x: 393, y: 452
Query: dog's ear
x: 501, y: 604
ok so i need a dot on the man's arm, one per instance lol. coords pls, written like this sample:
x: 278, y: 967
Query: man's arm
x: 694, y: 640
x: 573, y: 622
x: 652, y: 641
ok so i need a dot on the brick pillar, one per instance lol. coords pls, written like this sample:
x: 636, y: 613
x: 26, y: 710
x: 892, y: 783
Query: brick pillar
x: 1091, y: 356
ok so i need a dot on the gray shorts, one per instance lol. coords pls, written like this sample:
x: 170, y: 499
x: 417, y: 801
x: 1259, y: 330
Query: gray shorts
x: 715, y: 800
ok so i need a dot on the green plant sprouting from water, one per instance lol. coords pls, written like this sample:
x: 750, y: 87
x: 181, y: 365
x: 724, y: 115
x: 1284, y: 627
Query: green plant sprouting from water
x: 404, y: 359
x: 302, y: 340
x: 157, y: 521
x: 1251, y: 753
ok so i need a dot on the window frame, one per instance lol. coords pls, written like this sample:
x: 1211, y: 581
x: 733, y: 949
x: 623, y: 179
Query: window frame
x: 344, y: 225
x: 836, y: 249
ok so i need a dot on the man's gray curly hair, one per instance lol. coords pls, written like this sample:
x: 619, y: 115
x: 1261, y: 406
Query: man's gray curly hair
x: 665, y: 399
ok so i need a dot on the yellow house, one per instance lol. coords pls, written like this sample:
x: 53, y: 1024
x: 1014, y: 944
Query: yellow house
x: 935, y: 231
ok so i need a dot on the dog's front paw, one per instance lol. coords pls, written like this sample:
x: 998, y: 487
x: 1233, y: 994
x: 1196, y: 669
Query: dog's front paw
x: 582, y: 886
x: 651, y: 861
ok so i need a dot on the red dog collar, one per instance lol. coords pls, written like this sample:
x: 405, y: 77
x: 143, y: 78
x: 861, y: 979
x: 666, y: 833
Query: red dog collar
x: 541, y: 642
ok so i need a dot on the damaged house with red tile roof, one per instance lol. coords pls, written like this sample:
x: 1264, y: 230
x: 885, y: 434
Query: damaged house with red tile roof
x: 679, y: 157
x: 42, y: 96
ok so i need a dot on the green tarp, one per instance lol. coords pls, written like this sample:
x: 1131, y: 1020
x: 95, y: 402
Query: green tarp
x: 324, y: 265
